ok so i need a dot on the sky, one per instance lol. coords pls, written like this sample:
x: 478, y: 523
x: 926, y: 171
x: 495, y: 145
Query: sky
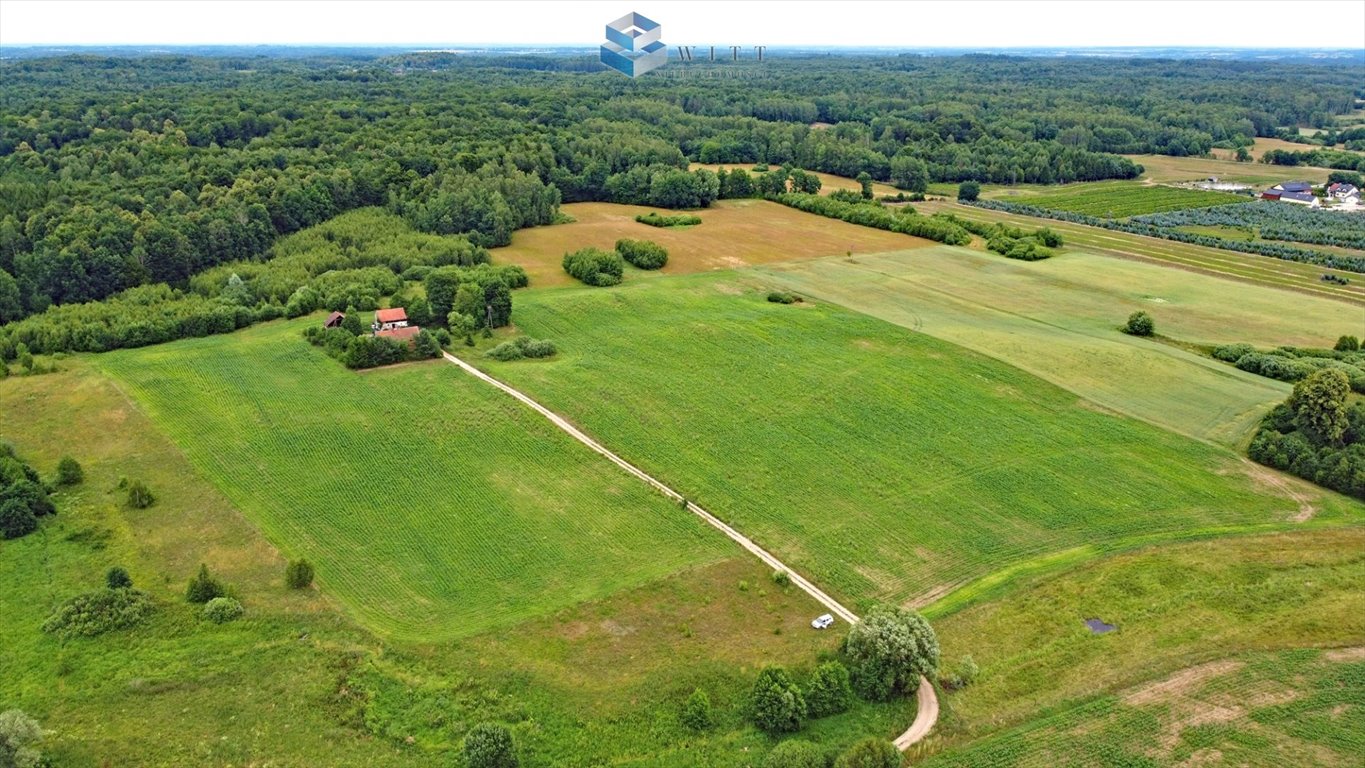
x: 794, y: 23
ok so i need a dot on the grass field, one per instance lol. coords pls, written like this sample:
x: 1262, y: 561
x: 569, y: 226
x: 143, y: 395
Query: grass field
x: 433, y: 506
x: 1164, y: 169
x: 1263, y: 270
x: 1212, y: 651
x: 733, y: 233
x: 883, y: 463
x: 1121, y: 199
x: 297, y: 683
x: 1058, y: 320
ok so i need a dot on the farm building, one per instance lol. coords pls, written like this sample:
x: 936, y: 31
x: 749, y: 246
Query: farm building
x: 1298, y: 192
x: 406, y: 333
x: 1300, y: 198
x: 1342, y: 191
x: 334, y: 320
x: 389, y: 319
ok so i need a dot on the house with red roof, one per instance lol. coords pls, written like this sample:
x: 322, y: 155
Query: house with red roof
x: 389, y: 319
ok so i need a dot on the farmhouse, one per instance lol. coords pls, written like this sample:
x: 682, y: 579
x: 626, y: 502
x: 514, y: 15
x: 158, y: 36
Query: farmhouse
x: 407, y: 333
x: 1344, y: 192
x: 334, y: 320
x: 389, y: 319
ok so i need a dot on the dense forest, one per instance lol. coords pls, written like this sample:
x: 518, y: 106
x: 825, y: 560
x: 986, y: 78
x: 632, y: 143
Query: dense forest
x: 119, y: 172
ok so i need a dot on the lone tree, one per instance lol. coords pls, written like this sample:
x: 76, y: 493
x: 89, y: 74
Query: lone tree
x: 870, y: 753
x: 696, y: 712
x: 118, y: 578
x: 489, y: 745
x: 1139, y: 324
x: 795, y: 753
x: 778, y: 705
x: 69, y: 471
x: 16, y: 519
x: 968, y: 191
x: 298, y: 574
x: 203, y: 586
x: 865, y: 181
x: 1319, y: 403
x: 889, y: 650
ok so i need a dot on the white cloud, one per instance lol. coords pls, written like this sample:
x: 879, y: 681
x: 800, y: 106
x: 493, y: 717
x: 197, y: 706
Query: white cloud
x: 930, y: 23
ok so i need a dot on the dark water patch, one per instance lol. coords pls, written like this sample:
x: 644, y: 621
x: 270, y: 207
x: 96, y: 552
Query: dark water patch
x: 1099, y: 627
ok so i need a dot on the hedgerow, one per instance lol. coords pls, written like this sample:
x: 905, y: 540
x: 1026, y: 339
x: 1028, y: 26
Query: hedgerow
x: 522, y: 346
x: 870, y: 214
x: 642, y: 253
x: 654, y: 219
x: 1295, y: 363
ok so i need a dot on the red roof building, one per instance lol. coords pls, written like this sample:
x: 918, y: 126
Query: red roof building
x: 406, y: 333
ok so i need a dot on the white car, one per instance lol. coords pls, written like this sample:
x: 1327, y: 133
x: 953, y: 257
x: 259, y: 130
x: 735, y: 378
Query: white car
x: 822, y: 621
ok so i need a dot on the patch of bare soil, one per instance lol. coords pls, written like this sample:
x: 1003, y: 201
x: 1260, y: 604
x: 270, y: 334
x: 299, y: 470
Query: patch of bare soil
x: 1270, y: 480
x: 1180, y: 684
x: 1345, y: 654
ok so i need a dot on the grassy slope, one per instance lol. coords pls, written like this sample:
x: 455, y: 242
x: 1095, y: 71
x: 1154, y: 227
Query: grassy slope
x: 1049, y: 688
x: 296, y: 683
x: 1058, y: 320
x: 883, y: 463
x: 432, y: 506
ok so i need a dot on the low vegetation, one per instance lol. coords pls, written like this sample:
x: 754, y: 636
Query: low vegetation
x: 1295, y: 363
x: 872, y: 214
x: 522, y: 347
x: 221, y: 610
x: 655, y: 219
x: 783, y: 297
x: 104, y: 610
x: 1272, y: 221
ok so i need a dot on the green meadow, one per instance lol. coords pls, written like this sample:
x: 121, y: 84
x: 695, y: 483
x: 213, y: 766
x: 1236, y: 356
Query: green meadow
x: 432, y: 505
x: 885, y: 464
x: 1121, y: 199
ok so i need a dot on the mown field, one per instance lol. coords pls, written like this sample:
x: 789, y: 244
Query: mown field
x: 883, y: 463
x: 433, y: 506
x: 1121, y: 199
x: 733, y: 233
x: 1165, y: 168
x: 1263, y: 270
x: 1058, y: 320
x: 1213, y: 660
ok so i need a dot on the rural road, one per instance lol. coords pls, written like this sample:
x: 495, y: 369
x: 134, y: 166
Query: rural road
x: 927, y: 711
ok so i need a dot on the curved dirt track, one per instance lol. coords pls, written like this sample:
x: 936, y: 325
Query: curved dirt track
x: 927, y: 700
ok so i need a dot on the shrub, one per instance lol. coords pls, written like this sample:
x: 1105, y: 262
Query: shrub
x: 298, y: 574
x: 1347, y: 344
x: 203, y: 587
x: 870, y: 753
x: 653, y: 219
x: 16, y: 519
x: 642, y: 253
x: 489, y: 745
x: 19, y: 737
x: 139, y: 496
x: 27, y: 491
x: 968, y: 190
x: 783, y: 297
x: 777, y: 703
x: 963, y: 675
x: 69, y: 471
x: 520, y: 347
x: 782, y: 578
x: 696, y: 711
x: 795, y: 753
x: 594, y: 266
x: 94, y: 613
x: 889, y: 650
x: 221, y: 610
x: 1231, y: 353
x: 118, y: 578
x: 1139, y: 324
x: 829, y: 691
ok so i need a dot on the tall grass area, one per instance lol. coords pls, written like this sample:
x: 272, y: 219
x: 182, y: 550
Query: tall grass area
x: 885, y: 464
x: 432, y: 506
x: 1214, y: 650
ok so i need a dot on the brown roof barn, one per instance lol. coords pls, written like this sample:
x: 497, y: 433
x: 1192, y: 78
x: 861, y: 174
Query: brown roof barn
x: 395, y: 315
x: 334, y: 320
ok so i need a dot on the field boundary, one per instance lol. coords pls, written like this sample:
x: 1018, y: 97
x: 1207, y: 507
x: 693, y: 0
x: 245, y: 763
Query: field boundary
x: 926, y: 700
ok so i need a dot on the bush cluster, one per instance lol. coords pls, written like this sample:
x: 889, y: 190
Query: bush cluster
x: 1316, y: 434
x: 221, y: 610
x: 100, y: 611
x: 23, y: 497
x: 204, y: 587
x: 520, y: 347
x: 871, y: 214
x: 642, y: 253
x: 654, y: 219
x: 783, y: 297
x: 1297, y: 363
x: 594, y: 266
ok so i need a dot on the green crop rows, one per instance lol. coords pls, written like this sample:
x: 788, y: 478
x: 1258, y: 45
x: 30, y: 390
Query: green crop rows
x: 882, y: 463
x: 433, y: 505
x: 1121, y: 199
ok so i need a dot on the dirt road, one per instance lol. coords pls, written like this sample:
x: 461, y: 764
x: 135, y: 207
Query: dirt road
x: 927, y: 712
